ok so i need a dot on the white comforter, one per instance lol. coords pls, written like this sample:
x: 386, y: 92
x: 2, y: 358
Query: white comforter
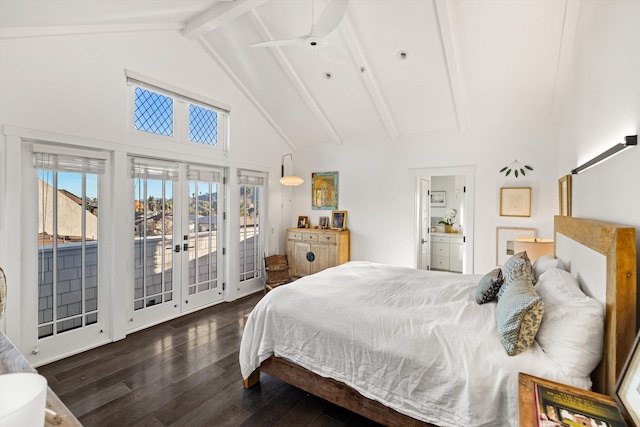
x: 414, y: 340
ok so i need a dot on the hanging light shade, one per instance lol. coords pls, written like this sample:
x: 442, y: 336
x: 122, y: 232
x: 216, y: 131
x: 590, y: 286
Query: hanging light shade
x: 289, y: 180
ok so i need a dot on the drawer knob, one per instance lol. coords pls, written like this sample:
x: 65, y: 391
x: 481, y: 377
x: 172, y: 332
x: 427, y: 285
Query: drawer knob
x: 311, y: 256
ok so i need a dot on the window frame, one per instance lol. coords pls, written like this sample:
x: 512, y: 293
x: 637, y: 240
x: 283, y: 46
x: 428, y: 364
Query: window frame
x: 182, y: 99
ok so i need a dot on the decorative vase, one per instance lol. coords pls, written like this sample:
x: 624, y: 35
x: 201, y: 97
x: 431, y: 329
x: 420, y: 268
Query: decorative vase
x: 448, y: 228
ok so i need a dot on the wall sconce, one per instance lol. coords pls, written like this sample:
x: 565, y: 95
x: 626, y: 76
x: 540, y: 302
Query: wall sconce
x: 629, y: 141
x: 535, y: 247
x: 289, y: 180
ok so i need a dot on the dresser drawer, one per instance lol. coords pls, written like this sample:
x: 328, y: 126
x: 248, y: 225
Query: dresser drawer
x: 327, y: 238
x: 309, y: 237
x: 440, y: 262
x: 440, y: 239
x: 440, y: 249
x: 294, y: 235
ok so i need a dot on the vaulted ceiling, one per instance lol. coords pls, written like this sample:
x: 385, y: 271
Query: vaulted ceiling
x: 411, y: 66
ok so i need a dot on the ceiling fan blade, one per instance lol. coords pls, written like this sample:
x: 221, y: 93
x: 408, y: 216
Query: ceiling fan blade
x: 274, y: 43
x: 332, y: 54
x: 330, y: 18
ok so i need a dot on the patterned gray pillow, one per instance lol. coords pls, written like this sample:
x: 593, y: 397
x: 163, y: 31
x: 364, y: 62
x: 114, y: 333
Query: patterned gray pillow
x: 519, y: 314
x: 516, y: 266
x: 489, y: 286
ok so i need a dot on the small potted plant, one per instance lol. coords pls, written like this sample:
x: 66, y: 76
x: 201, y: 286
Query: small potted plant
x: 448, y: 220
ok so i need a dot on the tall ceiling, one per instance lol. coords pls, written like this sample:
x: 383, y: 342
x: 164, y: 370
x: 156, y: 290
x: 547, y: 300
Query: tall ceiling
x: 411, y: 66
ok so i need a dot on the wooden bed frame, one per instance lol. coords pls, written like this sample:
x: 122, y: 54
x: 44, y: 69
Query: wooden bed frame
x: 616, y: 243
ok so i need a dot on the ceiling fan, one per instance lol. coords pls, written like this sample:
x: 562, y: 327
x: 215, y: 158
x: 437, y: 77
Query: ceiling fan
x: 314, y: 39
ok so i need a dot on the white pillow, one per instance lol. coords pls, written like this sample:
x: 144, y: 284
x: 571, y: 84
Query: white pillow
x: 572, y: 329
x: 544, y: 263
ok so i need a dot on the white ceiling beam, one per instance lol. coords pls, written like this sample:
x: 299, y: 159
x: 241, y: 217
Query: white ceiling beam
x: 570, y: 23
x: 66, y: 30
x: 368, y: 78
x: 245, y: 91
x: 448, y: 47
x: 295, y: 78
x: 216, y: 16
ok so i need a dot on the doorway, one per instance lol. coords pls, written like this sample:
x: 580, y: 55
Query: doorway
x: 177, y: 264
x: 454, y: 189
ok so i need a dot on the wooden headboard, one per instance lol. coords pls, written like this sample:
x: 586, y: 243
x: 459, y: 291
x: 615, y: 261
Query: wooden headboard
x: 618, y: 246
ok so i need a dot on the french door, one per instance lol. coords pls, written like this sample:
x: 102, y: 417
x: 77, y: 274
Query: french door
x: 177, y: 245
x: 69, y: 292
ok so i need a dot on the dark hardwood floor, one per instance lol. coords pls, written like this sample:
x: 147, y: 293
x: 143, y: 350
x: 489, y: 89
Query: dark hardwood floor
x: 184, y: 372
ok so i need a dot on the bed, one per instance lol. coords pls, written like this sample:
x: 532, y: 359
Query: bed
x: 375, y: 348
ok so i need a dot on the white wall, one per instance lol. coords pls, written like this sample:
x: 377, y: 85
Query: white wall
x: 603, y: 105
x: 73, y: 87
x: 376, y: 186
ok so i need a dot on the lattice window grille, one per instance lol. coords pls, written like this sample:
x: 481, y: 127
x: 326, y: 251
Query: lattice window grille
x: 153, y: 112
x: 203, y: 125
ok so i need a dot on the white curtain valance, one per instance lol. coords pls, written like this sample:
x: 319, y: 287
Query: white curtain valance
x: 251, y: 177
x: 154, y: 169
x: 204, y: 174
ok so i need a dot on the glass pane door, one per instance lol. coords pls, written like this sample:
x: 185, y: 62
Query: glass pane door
x: 153, y: 251
x: 203, y: 286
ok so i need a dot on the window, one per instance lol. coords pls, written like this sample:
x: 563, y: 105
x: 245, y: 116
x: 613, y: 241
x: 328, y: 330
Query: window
x: 203, y: 125
x: 189, y: 118
x: 68, y: 241
x: 153, y: 112
x: 251, y: 245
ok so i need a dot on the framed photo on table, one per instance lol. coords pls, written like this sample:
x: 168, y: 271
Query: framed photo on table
x: 504, y: 241
x: 339, y: 220
x: 627, y: 391
x: 515, y: 201
x: 323, y: 222
x: 303, y: 221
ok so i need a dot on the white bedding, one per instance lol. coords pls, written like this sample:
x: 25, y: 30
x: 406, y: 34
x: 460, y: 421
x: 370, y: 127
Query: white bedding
x: 413, y: 340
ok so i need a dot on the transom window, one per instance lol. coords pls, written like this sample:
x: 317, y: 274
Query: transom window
x: 154, y: 112
x: 162, y: 110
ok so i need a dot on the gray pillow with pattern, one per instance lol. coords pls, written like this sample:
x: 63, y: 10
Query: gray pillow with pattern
x: 515, y: 267
x: 489, y: 286
x: 519, y: 314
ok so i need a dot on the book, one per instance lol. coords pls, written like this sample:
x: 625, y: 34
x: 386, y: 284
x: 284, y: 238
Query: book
x: 561, y: 409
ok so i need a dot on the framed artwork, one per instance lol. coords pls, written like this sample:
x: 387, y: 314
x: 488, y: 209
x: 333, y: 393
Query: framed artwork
x: 339, y: 220
x: 303, y: 221
x: 324, y: 190
x: 324, y: 222
x: 504, y: 241
x: 627, y: 391
x: 564, y: 195
x: 438, y: 198
x: 515, y: 201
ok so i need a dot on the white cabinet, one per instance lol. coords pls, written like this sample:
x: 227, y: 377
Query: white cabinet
x: 446, y: 252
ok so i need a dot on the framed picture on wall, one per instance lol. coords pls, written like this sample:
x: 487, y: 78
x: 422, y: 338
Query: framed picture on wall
x: 324, y: 190
x: 564, y: 195
x: 439, y: 198
x: 515, y: 201
x: 504, y: 241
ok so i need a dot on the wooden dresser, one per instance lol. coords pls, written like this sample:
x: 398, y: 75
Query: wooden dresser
x: 311, y: 250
